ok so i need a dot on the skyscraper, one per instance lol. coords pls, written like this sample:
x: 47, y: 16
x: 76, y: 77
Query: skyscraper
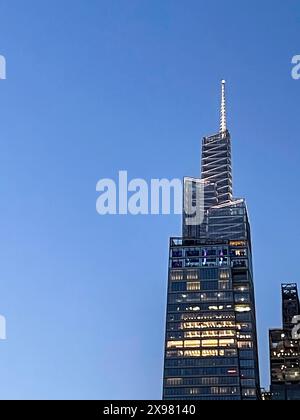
x: 285, y: 349
x: 211, y: 341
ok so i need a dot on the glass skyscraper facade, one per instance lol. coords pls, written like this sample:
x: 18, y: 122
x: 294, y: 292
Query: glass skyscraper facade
x: 285, y: 349
x: 211, y: 341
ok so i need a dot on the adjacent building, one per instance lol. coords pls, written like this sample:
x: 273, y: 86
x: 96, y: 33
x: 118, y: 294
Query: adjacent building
x: 211, y: 340
x: 285, y: 348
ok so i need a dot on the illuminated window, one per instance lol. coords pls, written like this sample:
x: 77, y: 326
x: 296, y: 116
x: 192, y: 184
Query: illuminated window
x: 223, y: 261
x: 242, y: 297
x: 174, y: 344
x: 210, y: 353
x: 192, y: 262
x: 209, y: 343
x: 241, y: 288
x: 242, y: 308
x: 192, y: 275
x: 224, y: 274
x: 192, y: 334
x: 228, y: 390
x: 244, y: 336
x: 192, y: 353
x: 176, y: 275
x: 174, y: 381
x: 205, y: 325
x: 227, y: 333
x: 192, y: 343
x: 249, y: 392
x: 245, y: 344
x: 227, y: 343
x: 238, y: 252
x: 224, y: 284
x: 191, y: 286
x: 210, y: 334
x: 237, y: 243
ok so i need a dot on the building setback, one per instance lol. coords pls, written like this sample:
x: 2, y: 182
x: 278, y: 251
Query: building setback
x: 211, y: 340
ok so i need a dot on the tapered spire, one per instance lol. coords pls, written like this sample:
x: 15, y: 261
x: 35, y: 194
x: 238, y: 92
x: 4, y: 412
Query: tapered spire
x: 223, y: 123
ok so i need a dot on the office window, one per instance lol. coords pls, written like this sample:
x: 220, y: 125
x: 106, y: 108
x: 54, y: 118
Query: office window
x: 230, y: 352
x: 209, y: 343
x: 209, y: 285
x: 245, y: 344
x: 224, y: 284
x: 244, y: 326
x: 177, y: 253
x: 241, y: 297
x: 248, y: 383
x: 192, y: 275
x: 247, y: 373
x: 244, y: 336
x: 174, y: 344
x: 241, y: 287
x: 210, y: 334
x: 249, y: 392
x: 192, y: 343
x: 174, y: 335
x: 238, y: 252
x: 176, y: 275
x: 178, y: 286
x: 227, y: 333
x: 174, y: 381
x: 210, y: 353
x: 224, y: 274
x: 209, y: 273
x: 240, y: 276
x: 192, y: 353
x: 243, y: 316
x: 174, y: 353
x: 192, y: 286
x: 223, y: 261
x: 246, y: 354
x: 227, y: 342
x: 192, y: 334
x: 247, y: 364
x: 177, y: 264
x: 192, y: 252
x: 242, y: 308
x: 192, y: 262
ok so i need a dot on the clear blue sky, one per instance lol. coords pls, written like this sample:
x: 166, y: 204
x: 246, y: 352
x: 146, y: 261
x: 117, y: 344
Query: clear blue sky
x: 98, y: 86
